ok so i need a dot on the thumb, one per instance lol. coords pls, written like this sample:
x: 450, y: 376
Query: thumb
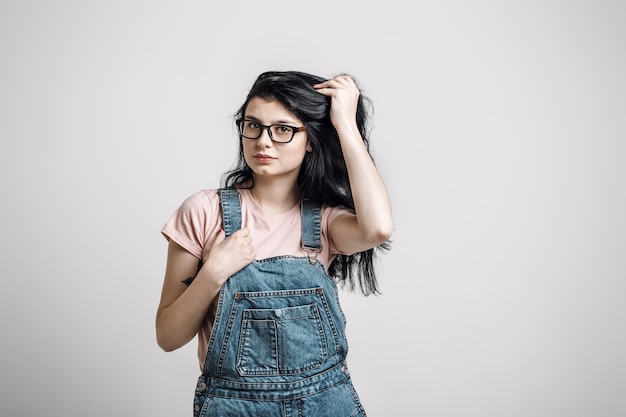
x: 219, y: 238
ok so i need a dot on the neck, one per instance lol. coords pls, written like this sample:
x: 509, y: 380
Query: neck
x: 275, y: 197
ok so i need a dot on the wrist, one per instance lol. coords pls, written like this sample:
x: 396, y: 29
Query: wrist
x: 347, y: 127
x: 212, y: 280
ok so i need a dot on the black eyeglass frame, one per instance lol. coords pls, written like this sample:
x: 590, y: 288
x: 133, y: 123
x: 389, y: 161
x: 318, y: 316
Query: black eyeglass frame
x: 294, y: 129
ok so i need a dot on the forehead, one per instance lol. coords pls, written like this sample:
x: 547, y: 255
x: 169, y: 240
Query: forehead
x: 268, y: 110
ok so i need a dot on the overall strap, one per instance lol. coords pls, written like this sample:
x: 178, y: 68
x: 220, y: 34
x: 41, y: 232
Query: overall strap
x: 311, y: 228
x: 231, y: 210
x: 231, y: 218
x: 311, y: 220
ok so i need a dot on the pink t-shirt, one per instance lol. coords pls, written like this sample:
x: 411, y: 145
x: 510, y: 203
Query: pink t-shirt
x: 197, y: 221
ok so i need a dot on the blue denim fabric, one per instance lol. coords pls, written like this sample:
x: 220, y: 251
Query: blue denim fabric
x: 278, y: 344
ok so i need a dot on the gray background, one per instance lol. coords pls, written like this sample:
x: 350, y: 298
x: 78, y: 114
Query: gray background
x: 499, y: 128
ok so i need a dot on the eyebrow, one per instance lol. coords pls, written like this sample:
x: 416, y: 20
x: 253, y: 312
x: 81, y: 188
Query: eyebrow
x: 276, y: 122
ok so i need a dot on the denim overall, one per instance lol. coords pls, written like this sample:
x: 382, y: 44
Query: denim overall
x: 278, y: 344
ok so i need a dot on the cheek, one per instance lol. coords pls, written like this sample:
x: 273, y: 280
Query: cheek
x: 297, y: 154
x: 248, y: 148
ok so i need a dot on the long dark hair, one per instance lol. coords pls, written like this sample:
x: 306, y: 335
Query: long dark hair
x: 323, y: 176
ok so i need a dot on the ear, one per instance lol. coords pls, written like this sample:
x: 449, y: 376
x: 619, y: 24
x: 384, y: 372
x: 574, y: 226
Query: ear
x: 309, y: 148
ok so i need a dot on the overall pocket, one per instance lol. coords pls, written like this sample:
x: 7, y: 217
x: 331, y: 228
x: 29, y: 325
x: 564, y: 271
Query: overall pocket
x: 281, y: 341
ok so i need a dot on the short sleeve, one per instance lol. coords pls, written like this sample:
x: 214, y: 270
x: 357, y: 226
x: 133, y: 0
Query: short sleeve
x: 329, y: 214
x: 194, y: 221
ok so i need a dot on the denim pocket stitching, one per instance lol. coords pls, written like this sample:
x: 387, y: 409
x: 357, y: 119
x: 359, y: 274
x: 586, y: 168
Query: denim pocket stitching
x: 275, y: 330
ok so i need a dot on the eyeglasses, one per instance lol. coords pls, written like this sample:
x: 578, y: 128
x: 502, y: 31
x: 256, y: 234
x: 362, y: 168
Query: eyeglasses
x: 278, y: 133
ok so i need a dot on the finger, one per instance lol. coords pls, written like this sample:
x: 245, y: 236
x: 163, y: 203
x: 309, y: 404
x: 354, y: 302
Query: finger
x: 343, y: 80
x: 321, y: 86
x: 325, y: 91
x: 328, y: 89
x: 331, y: 83
x: 327, y: 84
x: 219, y: 238
x: 343, y: 84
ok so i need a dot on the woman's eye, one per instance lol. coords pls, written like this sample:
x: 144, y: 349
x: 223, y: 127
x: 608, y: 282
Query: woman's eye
x: 283, y: 130
x: 253, y: 125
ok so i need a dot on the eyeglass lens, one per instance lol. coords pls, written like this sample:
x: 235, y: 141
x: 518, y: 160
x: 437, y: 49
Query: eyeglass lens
x: 278, y: 133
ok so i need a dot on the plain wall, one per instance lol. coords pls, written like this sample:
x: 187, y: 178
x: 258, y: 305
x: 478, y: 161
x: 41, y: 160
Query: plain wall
x: 499, y: 128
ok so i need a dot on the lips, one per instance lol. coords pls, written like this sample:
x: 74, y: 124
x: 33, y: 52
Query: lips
x: 263, y: 158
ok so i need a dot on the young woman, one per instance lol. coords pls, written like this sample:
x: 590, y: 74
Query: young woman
x: 252, y: 267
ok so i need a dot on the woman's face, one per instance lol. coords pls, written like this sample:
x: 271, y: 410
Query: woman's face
x: 265, y: 157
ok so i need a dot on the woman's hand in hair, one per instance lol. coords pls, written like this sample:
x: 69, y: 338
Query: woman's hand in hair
x: 344, y: 98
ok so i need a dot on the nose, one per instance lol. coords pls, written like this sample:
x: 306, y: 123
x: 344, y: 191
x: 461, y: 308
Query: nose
x: 264, y: 140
